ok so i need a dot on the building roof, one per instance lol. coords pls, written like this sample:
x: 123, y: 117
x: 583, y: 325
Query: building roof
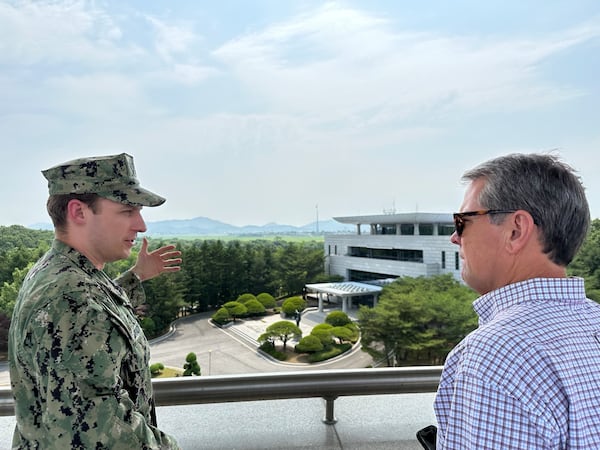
x: 414, y: 217
x: 345, y: 289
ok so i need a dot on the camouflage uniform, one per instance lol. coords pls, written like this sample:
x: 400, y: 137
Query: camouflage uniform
x: 79, y: 360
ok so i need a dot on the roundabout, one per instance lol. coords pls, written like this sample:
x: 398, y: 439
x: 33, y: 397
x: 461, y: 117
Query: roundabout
x: 234, y: 349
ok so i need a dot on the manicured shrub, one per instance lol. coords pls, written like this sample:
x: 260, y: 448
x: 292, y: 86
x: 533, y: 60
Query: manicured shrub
x: 293, y: 304
x: 337, y: 319
x: 191, y: 366
x: 267, y: 300
x: 269, y: 348
x: 221, y: 317
x: 255, y: 308
x: 323, y: 332
x: 236, y: 309
x: 245, y: 297
x: 156, y: 369
x: 284, y: 330
x: 329, y: 353
x: 342, y: 333
x: 355, y: 330
x: 309, y: 344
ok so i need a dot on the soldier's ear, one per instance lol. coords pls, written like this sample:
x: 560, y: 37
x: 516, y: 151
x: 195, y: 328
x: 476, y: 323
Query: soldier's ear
x: 76, y: 211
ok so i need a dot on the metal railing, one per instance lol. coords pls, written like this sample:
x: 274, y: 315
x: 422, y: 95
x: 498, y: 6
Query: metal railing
x: 328, y: 384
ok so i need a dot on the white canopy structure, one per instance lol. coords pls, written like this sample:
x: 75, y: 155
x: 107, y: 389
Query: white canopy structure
x: 344, y: 291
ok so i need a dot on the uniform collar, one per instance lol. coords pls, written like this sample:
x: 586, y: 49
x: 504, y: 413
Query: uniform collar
x: 82, y: 262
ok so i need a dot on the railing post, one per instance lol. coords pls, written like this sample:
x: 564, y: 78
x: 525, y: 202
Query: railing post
x: 329, y: 413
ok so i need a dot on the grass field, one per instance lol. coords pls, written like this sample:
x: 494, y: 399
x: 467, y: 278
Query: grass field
x: 170, y: 372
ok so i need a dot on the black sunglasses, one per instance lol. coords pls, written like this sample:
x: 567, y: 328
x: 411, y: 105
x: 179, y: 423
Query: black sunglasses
x: 459, y: 218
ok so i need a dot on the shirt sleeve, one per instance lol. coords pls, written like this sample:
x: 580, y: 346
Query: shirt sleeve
x: 483, y: 415
x: 79, y: 354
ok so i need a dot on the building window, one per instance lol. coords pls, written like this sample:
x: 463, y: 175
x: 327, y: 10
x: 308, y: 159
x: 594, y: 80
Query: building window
x: 443, y: 260
x: 407, y: 229
x: 456, y: 261
x: 384, y: 228
x: 395, y: 254
x: 426, y: 229
x: 335, y: 249
x: 359, y: 275
x: 329, y: 249
x: 388, y: 229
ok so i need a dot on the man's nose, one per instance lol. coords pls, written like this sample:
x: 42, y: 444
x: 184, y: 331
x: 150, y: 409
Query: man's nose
x: 455, y: 238
x: 140, y: 225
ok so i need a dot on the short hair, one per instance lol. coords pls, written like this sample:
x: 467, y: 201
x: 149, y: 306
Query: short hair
x: 548, y: 189
x: 57, y: 207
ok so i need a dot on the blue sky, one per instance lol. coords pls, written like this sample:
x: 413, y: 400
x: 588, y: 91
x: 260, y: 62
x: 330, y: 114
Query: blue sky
x: 252, y: 112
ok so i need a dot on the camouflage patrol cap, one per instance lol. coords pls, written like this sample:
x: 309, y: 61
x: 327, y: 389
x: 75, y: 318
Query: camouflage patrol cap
x: 112, y: 177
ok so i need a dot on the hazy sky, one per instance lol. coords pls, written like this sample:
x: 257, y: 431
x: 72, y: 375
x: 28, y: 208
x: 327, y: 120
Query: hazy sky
x: 252, y: 112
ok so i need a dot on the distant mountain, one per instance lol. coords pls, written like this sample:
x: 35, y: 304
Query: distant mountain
x: 203, y: 226
x: 41, y: 226
x: 197, y: 226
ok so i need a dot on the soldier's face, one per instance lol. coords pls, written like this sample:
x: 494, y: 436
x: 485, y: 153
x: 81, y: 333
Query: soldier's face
x: 113, y: 230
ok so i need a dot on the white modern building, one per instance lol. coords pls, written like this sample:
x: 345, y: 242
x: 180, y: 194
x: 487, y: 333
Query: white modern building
x: 388, y: 246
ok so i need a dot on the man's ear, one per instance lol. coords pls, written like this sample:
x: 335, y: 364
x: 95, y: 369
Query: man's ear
x: 521, y: 228
x: 77, y: 211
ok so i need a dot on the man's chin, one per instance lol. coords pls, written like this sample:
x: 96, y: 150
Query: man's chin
x: 124, y: 255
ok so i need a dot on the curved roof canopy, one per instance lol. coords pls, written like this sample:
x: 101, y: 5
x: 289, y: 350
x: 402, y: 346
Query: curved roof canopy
x: 397, y: 218
x: 345, y: 289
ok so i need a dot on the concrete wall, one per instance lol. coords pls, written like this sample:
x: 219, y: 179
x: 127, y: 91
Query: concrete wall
x: 338, y: 262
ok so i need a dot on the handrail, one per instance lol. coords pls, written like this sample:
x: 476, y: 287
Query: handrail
x: 299, y: 384
x: 328, y: 384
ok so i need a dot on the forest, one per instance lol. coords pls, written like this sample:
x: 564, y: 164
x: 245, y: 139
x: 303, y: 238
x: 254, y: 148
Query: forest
x: 414, y: 318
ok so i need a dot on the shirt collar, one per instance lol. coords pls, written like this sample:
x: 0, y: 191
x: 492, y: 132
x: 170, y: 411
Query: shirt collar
x: 558, y: 290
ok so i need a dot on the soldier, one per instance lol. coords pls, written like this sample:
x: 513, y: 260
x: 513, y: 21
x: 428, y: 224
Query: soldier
x: 79, y: 360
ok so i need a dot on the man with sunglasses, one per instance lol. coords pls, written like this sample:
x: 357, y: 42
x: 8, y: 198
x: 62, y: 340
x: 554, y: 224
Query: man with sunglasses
x: 529, y: 376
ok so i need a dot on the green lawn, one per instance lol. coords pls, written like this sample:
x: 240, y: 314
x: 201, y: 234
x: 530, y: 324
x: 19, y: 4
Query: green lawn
x: 169, y: 372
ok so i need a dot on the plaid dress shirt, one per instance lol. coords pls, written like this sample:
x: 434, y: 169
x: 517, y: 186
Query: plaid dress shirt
x: 529, y: 376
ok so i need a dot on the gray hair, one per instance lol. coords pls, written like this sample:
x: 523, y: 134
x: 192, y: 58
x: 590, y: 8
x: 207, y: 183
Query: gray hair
x: 548, y: 189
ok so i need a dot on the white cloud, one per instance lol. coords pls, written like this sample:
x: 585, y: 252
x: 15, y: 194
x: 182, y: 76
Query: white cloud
x: 51, y: 32
x: 106, y: 96
x: 190, y: 74
x: 171, y: 41
x: 357, y: 68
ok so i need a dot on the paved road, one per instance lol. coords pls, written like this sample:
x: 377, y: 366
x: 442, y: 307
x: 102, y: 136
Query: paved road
x: 232, y: 350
